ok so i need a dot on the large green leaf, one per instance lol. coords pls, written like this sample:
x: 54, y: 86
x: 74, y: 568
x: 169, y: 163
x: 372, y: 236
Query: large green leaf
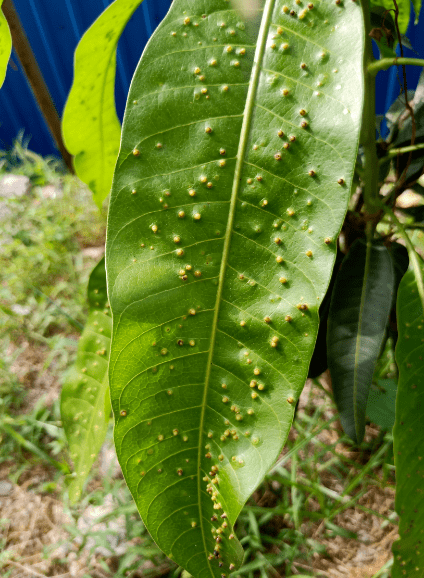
x: 408, y: 433
x: 90, y: 125
x: 85, y: 400
x: 359, y: 312
x: 5, y: 45
x: 404, y: 10
x: 229, y: 193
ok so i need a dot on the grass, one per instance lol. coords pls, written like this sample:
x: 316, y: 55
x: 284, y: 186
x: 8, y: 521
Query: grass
x: 297, y: 520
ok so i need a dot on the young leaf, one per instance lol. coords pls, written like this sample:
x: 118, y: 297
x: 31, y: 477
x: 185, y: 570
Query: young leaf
x: 85, y: 400
x: 408, y: 435
x: 238, y: 148
x: 5, y: 45
x: 404, y: 10
x: 90, y: 125
x: 359, y: 312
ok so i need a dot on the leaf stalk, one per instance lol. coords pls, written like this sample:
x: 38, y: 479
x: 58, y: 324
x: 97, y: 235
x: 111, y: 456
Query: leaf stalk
x: 385, y: 63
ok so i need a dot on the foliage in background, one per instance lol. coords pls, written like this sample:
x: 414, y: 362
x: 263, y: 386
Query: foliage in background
x: 5, y: 45
x: 90, y: 125
x: 85, y: 399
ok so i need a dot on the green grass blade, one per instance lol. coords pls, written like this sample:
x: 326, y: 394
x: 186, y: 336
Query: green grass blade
x: 5, y: 45
x: 408, y: 434
x: 90, y: 125
x: 85, y: 400
x: 359, y: 312
x: 229, y: 193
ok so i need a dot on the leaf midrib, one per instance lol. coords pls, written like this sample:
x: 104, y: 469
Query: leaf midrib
x: 244, y: 135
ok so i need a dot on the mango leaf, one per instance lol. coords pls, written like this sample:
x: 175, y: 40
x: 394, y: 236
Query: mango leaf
x: 404, y: 10
x: 381, y: 403
x: 90, y: 125
x: 85, y: 400
x: 5, y: 45
x: 359, y: 312
x: 229, y: 193
x: 408, y: 435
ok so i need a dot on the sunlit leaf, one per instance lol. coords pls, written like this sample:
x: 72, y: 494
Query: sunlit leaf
x: 90, y: 125
x: 5, y: 45
x: 408, y: 433
x: 359, y: 312
x: 230, y: 190
x: 85, y: 400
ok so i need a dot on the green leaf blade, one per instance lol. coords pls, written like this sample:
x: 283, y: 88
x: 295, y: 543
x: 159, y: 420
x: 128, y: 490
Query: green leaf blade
x: 85, y: 400
x: 359, y: 313
x: 219, y: 252
x: 90, y: 125
x: 408, y: 436
x: 5, y: 45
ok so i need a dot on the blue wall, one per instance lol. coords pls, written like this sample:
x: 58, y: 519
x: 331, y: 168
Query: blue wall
x: 54, y: 27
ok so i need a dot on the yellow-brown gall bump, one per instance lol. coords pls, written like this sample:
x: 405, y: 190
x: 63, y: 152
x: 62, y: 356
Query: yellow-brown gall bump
x: 197, y: 274
x: 242, y: 51
x: 177, y: 239
x: 192, y: 343
x: 154, y: 228
x: 133, y: 192
x: 277, y: 156
x: 208, y: 129
x: 236, y: 63
x: 210, y: 435
x: 222, y: 152
x: 197, y: 70
x: 254, y: 395
x: 208, y: 455
x: 213, y: 62
x: 224, y: 386
x: 197, y: 216
x: 285, y: 91
x: 285, y: 9
x: 181, y: 214
x: 341, y: 181
x: 312, y: 173
x: 202, y: 78
x: 292, y: 138
x: 288, y: 318
x: 292, y: 13
x: 164, y: 351
x: 284, y: 46
x: 261, y: 387
x: 328, y: 240
x: 160, y: 438
x: 279, y: 259
x: 229, y: 49
x: 192, y: 311
x: 310, y: 6
x: 173, y: 33
x: 279, y: 30
x: 185, y: 439
x: 239, y: 417
x: 267, y: 319
x: 123, y: 413
x: 242, y: 323
x: 286, y: 145
x: 136, y: 152
x: 175, y: 432
x: 250, y: 412
x: 274, y: 342
x: 280, y: 133
x: 249, y: 181
x: 304, y: 124
x: 225, y: 89
x: 303, y: 65
x: 257, y: 371
x: 205, y: 91
x: 203, y: 179
x: 302, y: 306
x: 259, y: 178
x: 142, y: 474
x: 273, y: 46
x: 209, y: 185
x: 159, y: 145
x: 225, y: 399
x: 338, y: 2
x: 180, y: 472
x: 193, y: 524
x: 264, y: 203
x: 309, y: 253
x: 222, y: 163
x: 186, y: 21
x: 192, y: 192
x: 277, y: 241
x: 253, y: 383
x: 290, y: 399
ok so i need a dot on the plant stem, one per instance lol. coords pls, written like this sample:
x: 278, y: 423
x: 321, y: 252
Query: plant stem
x: 386, y: 566
x: 369, y: 123
x: 385, y: 63
x: 393, y: 152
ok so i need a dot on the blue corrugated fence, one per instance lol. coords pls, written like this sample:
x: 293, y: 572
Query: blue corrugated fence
x: 54, y: 28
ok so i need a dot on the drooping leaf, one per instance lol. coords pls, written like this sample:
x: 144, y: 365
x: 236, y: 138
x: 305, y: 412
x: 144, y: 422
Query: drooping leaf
x: 408, y: 434
x: 85, y: 400
x: 359, y: 313
x: 417, y: 9
x: 90, y: 125
x: 229, y: 193
x: 5, y: 45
